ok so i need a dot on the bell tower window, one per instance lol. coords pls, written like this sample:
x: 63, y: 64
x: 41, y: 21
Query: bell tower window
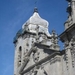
x: 19, y: 56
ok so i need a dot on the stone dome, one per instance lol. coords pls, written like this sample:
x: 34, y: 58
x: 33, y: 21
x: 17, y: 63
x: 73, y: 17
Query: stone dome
x: 35, y: 19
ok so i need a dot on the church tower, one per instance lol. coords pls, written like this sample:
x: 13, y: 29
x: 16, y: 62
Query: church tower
x: 68, y: 38
x: 36, y: 51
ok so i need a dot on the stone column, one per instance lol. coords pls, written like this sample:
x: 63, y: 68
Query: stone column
x: 68, y: 57
x: 73, y: 53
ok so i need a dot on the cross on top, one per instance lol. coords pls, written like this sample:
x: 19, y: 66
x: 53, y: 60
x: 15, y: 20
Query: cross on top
x: 35, y: 2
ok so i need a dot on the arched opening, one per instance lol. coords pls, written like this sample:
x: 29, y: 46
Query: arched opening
x: 19, y: 56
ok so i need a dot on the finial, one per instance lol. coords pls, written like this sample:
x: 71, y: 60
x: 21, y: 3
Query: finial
x: 53, y: 31
x: 35, y: 9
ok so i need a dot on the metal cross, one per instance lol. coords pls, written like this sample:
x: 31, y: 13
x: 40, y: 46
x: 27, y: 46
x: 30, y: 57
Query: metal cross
x: 35, y: 2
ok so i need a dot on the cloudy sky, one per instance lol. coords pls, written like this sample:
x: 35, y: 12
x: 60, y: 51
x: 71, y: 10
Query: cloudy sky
x: 13, y: 13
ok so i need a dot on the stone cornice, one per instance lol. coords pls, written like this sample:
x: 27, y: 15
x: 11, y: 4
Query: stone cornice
x: 66, y: 32
x: 27, y: 32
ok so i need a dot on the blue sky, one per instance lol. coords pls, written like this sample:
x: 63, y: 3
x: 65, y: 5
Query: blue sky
x: 13, y: 13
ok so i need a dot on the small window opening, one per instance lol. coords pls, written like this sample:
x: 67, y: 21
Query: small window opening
x: 20, y: 55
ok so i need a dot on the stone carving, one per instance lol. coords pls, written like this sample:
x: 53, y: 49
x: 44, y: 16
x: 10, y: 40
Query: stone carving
x: 35, y: 70
x: 26, y: 56
x: 66, y: 56
x: 68, y: 23
x: 73, y: 50
x: 36, y: 56
x: 54, y: 40
x: 73, y: 41
x: 54, y: 37
x: 70, y: 20
x: 37, y: 30
x: 66, y: 44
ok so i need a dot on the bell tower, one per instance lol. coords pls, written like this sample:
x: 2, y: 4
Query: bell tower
x: 34, y: 46
x: 37, y: 52
x: 68, y: 38
x: 71, y: 14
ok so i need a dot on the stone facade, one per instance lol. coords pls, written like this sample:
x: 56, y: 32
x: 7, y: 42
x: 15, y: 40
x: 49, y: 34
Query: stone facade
x: 37, y: 51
